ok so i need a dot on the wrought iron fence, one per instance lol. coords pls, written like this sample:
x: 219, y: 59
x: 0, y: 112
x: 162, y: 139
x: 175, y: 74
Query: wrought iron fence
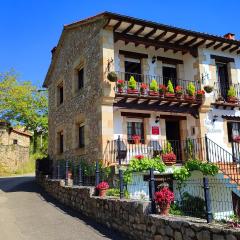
x: 147, y: 79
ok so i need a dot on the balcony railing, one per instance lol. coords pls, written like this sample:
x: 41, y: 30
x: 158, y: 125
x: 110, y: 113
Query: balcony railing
x: 147, y: 79
x: 221, y: 90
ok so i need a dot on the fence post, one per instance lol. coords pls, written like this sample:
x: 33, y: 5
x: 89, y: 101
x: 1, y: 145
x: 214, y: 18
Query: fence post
x: 97, y: 180
x: 207, y: 200
x: 58, y: 170
x: 152, y: 190
x: 66, y: 172
x: 119, y: 150
x: 120, y: 171
x: 80, y: 178
x: 207, y: 152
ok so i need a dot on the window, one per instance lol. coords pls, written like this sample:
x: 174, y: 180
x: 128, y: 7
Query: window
x: 169, y: 73
x: 81, y: 137
x: 60, y: 93
x: 233, y: 129
x: 80, y: 78
x: 61, y: 143
x: 15, y: 141
x: 133, y: 68
x: 135, y: 127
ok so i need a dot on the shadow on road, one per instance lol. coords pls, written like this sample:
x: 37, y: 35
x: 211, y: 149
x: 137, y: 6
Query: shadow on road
x: 28, y: 184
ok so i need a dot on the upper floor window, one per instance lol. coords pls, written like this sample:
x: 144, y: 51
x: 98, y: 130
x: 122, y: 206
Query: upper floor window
x: 133, y: 68
x: 169, y: 73
x: 60, y: 141
x: 81, y: 136
x: 233, y: 129
x: 60, y: 93
x: 15, y: 141
x: 80, y: 79
x: 135, y: 129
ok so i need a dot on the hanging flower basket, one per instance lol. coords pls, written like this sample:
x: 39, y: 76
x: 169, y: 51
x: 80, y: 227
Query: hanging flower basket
x: 112, y: 76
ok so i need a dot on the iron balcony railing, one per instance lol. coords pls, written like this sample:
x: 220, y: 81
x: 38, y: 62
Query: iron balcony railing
x: 221, y: 91
x: 147, y: 79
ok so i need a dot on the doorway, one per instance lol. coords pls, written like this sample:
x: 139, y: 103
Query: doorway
x: 173, y: 136
x: 133, y: 68
x: 169, y: 73
x: 222, y: 78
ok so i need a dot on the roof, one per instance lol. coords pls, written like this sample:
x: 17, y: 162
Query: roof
x: 148, y: 33
x: 26, y: 133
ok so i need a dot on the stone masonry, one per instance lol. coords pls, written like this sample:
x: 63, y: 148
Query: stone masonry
x: 131, y: 218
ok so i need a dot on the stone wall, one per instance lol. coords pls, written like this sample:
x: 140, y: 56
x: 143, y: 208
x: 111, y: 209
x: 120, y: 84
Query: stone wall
x: 131, y: 218
x: 13, y: 156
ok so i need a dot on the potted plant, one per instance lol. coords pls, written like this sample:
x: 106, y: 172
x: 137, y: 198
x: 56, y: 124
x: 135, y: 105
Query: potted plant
x: 170, y: 90
x: 132, y: 86
x: 190, y: 91
x: 112, y: 76
x: 153, y: 88
x: 143, y: 88
x: 236, y: 139
x: 102, y: 188
x: 178, y: 92
x: 136, y: 139
x: 200, y: 94
x: 231, y: 95
x: 168, y: 156
x: 208, y: 88
x: 120, y: 85
x: 164, y: 198
x: 162, y: 90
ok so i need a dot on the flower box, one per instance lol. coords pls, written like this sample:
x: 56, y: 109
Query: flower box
x: 132, y: 91
x: 232, y: 99
x: 120, y: 90
x: 189, y: 97
x: 170, y: 95
x: 178, y: 95
x: 169, y: 158
x: 153, y: 93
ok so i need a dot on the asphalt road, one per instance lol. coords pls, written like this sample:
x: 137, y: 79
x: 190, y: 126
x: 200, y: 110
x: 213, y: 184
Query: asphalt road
x: 27, y: 213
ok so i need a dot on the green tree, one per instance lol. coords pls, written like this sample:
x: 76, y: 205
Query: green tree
x: 22, y: 104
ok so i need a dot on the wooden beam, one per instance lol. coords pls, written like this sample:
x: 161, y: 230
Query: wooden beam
x: 182, y: 39
x: 169, y: 39
x: 160, y: 44
x: 234, y: 49
x: 218, y: 46
x: 140, y: 30
x: 169, y: 60
x: 135, y: 115
x: 133, y: 54
x: 222, y: 59
x: 150, y: 33
x: 199, y: 43
x: 117, y: 25
x: 210, y: 44
x: 173, y: 117
x: 160, y: 36
x: 128, y: 28
x: 190, y: 41
x: 226, y: 47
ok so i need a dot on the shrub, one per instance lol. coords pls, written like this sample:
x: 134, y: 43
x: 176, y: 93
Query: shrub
x: 115, y: 192
x: 154, y: 85
x: 190, y: 89
x: 170, y: 88
x: 231, y: 92
x: 132, y: 84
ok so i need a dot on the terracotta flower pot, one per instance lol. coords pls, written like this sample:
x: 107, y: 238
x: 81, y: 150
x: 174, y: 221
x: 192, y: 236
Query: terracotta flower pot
x: 178, y: 95
x: 169, y: 159
x: 132, y: 91
x: 136, y: 141
x: 169, y: 95
x: 164, y: 208
x: 102, y: 192
x: 232, y: 99
x: 188, y: 97
x: 153, y: 93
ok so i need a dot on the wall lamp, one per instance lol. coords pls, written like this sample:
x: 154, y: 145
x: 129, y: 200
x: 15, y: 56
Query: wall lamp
x: 157, y: 119
x: 154, y: 59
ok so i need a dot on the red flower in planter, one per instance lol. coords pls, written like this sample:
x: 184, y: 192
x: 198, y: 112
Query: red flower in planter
x: 178, y: 90
x: 200, y: 93
x: 120, y: 83
x: 162, y: 89
x: 236, y: 139
x: 102, y: 185
x: 143, y: 87
x: 139, y: 157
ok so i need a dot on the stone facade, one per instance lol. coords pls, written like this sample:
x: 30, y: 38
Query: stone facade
x: 132, y: 219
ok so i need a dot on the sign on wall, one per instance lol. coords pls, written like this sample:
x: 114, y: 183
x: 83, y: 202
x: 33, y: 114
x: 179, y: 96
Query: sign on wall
x: 155, y: 130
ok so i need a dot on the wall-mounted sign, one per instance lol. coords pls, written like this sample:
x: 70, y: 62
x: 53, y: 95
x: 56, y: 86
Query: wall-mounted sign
x: 155, y: 130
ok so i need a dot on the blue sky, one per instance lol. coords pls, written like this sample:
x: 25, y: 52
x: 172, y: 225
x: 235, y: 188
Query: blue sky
x: 30, y: 28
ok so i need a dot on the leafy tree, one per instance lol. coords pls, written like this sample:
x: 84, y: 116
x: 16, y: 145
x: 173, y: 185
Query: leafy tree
x: 22, y: 104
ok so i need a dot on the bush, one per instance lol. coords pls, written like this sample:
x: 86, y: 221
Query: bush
x: 115, y: 192
x: 132, y: 84
x: 190, y: 89
x: 154, y: 85
x: 170, y: 88
x: 231, y: 92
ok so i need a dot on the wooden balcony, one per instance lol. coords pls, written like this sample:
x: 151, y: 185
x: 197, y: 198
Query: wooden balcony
x: 154, y: 101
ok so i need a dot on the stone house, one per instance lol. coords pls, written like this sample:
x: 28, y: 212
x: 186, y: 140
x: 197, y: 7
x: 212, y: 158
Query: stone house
x: 14, y: 146
x: 87, y: 112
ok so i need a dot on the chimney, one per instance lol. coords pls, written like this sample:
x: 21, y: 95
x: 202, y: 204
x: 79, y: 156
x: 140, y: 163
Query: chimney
x: 230, y: 36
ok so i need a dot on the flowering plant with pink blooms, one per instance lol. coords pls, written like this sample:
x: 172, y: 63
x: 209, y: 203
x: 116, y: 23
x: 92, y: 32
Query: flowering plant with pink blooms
x: 139, y: 157
x: 102, y: 185
x: 164, y: 196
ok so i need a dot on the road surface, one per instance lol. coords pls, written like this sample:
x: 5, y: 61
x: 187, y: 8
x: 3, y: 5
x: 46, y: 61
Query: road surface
x: 27, y: 213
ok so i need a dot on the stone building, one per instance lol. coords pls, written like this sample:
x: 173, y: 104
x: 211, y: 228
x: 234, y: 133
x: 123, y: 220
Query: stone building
x: 14, y: 147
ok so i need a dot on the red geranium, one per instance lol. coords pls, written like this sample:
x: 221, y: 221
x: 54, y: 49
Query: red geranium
x: 102, y: 185
x: 139, y: 157
x: 162, y: 88
x: 136, y: 138
x: 164, y: 196
x: 236, y: 139
x: 169, y: 157
x: 178, y: 89
x: 120, y: 83
x: 200, y: 93
x: 143, y: 86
